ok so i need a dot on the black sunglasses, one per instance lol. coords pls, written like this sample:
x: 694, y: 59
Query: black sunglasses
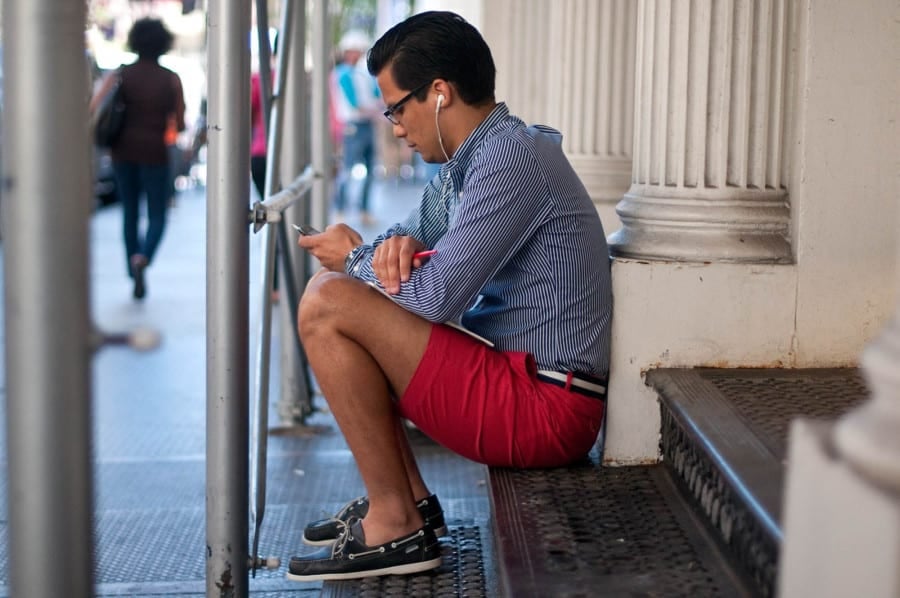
x: 389, y: 113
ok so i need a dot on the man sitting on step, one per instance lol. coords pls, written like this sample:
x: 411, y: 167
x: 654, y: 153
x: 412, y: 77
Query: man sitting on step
x: 515, y: 253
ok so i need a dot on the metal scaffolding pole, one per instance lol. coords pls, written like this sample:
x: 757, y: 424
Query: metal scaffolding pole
x: 321, y: 145
x: 48, y: 334
x: 227, y: 300
x: 260, y: 400
x: 295, y: 401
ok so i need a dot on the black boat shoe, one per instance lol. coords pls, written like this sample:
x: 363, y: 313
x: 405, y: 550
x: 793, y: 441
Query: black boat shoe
x: 326, y: 531
x: 351, y: 558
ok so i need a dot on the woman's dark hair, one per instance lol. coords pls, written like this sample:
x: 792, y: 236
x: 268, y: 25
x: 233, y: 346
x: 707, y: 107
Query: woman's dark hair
x: 149, y: 38
x: 436, y: 45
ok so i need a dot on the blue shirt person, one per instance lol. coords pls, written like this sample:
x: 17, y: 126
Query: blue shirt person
x: 355, y: 104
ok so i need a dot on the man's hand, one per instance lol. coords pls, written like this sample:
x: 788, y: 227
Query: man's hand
x: 393, y: 261
x: 332, y: 245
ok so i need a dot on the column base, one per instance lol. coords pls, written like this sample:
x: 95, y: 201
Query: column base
x: 703, y: 225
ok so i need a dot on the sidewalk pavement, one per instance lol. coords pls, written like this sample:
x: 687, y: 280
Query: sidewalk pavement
x: 149, y: 411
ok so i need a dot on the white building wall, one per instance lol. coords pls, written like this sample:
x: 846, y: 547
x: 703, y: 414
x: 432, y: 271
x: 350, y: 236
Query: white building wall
x: 840, y: 167
x: 470, y: 10
x: 844, y: 178
x: 842, y: 174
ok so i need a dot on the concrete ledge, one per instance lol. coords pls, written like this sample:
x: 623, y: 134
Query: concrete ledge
x: 685, y: 315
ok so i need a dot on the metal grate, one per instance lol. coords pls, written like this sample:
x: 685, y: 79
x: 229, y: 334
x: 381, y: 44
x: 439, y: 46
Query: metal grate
x: 768, y: 400
x: 725, y: 434
x: 592, y: 531
x: 150, y: 519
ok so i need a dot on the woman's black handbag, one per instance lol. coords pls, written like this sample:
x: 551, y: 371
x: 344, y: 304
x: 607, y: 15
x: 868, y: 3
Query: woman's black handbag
x: 110, y: 116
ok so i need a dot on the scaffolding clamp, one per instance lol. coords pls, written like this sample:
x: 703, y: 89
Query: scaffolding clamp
x: 271, y: 209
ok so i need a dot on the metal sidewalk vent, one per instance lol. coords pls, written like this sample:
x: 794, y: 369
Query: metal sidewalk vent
x: 594, y: 531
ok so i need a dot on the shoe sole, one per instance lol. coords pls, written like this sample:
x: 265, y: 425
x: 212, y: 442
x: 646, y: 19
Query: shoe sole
x: 395, y: 570
x: 439, y: 532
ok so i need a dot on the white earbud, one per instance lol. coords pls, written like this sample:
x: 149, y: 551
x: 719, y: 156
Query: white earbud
x: 440, y: 100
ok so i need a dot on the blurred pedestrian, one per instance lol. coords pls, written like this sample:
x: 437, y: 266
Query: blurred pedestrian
x: 259, y: 140
x: 152, y: 94
x: 357, y: 104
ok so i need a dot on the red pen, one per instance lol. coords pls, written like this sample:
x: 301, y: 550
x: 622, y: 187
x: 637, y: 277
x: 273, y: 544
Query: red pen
x: 427, y: 253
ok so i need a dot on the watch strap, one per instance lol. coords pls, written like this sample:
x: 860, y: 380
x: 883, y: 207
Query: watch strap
x: 351, y: 257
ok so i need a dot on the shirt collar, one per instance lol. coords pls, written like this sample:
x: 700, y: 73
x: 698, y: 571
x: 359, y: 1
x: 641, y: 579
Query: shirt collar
x: 459, y: 163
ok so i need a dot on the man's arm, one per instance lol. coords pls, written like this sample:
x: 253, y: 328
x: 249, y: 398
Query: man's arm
x: 426, y: 224
x: 505, y: 198
x: 104, y: 88
x: 179, y: 103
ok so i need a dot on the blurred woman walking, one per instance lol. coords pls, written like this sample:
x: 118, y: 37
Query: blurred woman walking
x: 152, y: 95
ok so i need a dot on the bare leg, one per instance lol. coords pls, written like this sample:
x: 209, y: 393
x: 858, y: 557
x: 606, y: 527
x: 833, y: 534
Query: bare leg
x: 364, y: 349
x: 416, y: 483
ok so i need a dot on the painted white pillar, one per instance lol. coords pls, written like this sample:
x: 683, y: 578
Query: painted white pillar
x: 869, y: 437
x: 842, y: 502
x: 708, y: 174
x: 569, y: 64
x: 861, y: 468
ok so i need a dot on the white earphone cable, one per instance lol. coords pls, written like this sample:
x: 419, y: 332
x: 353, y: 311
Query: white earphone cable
x: 437, y: 126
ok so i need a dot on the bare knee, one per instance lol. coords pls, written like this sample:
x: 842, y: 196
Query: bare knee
x: 322, y: 302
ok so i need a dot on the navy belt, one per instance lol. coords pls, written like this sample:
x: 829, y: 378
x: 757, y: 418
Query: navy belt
x: 583, y: 384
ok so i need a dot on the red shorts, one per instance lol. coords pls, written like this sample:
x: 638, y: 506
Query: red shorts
x: 489, y: 406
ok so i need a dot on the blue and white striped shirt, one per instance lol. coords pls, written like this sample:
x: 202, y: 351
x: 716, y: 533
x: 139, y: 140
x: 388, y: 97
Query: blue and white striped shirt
x: 522, y: 257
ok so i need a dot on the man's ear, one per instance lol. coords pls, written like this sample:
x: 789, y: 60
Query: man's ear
x: 444, y: 94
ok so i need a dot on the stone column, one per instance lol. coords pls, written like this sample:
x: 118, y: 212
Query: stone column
x: 708, y: 175
x: 569, y: 64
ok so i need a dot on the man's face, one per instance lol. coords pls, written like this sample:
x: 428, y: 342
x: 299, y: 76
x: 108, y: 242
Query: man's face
x: 417, y: 127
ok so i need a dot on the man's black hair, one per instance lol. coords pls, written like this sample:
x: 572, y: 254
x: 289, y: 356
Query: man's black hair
x: 149, y: 38
x: 436, y: 45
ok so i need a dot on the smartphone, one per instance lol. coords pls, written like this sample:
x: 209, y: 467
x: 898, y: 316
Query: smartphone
x: 305, y: 229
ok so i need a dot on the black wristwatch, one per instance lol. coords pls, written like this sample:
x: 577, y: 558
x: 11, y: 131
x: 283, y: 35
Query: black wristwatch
x: 352, y: 256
